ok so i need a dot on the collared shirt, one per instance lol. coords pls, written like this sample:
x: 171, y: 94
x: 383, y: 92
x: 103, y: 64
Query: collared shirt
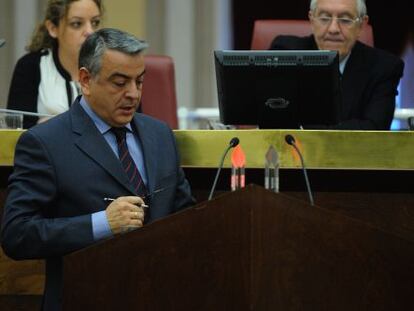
x: 100, y: 225
x: 342, y: 64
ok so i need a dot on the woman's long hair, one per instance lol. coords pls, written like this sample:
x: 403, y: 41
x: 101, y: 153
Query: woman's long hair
x: 55, y: 11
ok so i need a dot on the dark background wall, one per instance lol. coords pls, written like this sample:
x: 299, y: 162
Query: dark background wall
x: 390, y: 20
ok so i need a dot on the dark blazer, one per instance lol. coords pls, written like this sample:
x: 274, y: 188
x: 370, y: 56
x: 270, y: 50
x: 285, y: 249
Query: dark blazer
x: 369, y: 83
x: 63, y: 169
x: 24, y: 86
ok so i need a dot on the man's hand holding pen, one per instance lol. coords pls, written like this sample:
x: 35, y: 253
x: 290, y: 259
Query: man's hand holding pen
x: 125, y: 213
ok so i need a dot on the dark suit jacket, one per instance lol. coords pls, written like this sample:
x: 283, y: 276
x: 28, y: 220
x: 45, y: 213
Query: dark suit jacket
x: 63, y: 169
x: 369, y: 83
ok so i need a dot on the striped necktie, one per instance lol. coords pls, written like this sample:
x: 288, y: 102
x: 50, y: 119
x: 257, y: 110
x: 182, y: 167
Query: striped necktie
x: 127, y: 162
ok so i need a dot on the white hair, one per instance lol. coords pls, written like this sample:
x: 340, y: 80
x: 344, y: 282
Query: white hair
x: 360, y: 4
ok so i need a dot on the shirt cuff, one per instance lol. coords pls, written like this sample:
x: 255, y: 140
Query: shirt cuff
x: 100, y: 226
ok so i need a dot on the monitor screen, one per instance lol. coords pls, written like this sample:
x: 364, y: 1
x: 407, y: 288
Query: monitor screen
x: 278, y: 89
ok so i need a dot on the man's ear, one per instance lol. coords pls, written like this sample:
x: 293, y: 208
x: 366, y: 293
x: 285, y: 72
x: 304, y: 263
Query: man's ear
x: 365, y: 20
x: 310, y: 15
x: 311, y: 21
x: 84, y: 80
x: 362, y: 24
x: 51, y: 28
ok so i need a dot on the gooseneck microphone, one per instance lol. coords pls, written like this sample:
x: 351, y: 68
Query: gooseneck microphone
x: 291, y: 141
x: 233, y: 143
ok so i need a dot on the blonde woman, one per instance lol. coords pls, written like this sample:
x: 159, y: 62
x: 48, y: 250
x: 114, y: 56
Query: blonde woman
x: 45, y: 79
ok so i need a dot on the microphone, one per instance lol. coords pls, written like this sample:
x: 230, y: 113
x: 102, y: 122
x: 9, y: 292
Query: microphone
x: 27, y: 113
x: 2, y: 42
x: 233, y: 143
x: 290, y: 140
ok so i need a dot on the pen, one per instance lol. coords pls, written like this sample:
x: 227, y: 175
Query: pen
x: 112, y: 199
x: 144, y: 197
x: 155, y: 192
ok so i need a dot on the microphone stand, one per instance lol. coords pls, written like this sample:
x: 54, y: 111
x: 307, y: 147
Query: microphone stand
x: 291, y: 141
x: 233, y: 143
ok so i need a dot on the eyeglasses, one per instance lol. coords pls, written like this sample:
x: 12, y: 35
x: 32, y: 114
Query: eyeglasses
x: 342, y: 21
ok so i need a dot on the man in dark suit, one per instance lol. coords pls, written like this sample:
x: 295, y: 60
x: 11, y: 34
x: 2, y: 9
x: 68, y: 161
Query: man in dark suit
x: 75, y: 182
x: 370, y: 76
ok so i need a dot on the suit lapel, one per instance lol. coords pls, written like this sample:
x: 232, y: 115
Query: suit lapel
x: 93, y: 144
x: 353, y: 80
x: 149, y: 150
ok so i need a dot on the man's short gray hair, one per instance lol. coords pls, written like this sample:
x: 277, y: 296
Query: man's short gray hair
x: 92, y: 50
x: 361, y: 7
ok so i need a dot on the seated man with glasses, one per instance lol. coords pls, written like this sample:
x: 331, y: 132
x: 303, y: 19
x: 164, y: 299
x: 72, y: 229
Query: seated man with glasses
x: 370, y: 76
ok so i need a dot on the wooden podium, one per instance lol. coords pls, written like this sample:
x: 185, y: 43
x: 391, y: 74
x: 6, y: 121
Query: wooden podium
x: 247, y: 250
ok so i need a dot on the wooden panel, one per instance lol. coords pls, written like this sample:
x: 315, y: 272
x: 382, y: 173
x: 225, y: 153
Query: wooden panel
x: 8, y: 140
x: 372, y: 150
x: 321, y: 149
x: 21, y: 277
x: 20, y: 302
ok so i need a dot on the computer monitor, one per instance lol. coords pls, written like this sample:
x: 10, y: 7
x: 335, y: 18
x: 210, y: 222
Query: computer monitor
x: 278, y: 89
